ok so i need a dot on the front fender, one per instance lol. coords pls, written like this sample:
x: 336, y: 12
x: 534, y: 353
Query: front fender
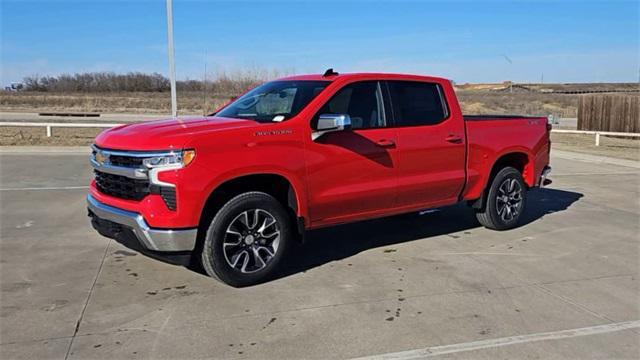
x: 294, y: 179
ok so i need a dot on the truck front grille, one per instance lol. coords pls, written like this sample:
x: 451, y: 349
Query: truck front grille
x: 121, y: 186
x: 123, y: 174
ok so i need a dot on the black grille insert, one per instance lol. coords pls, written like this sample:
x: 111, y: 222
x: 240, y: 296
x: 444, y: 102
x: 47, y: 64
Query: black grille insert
x: 121, y: 186
x: 169, y: 196
x: 125, y: 161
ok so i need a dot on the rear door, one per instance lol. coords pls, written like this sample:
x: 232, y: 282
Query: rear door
x: 353, y: 173
x: 431, y: 145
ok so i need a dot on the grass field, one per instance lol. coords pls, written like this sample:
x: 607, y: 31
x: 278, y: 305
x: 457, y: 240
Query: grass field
x: 622, y: 148
x: 120, y: 102
x: 36, y: 136
x: 194, y: 97
x: 193, y: 102
x: 475, y: 102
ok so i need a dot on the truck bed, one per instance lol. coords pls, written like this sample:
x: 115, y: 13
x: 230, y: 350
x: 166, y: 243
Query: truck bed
x: 491, y: 136
x: 498, y: 117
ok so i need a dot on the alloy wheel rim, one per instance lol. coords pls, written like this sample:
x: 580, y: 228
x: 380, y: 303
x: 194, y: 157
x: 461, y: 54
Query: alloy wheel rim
x: 509, y: 200
x: 251, y: 240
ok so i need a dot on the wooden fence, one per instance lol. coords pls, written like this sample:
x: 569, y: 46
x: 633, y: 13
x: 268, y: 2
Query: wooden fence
x: 618, y: 113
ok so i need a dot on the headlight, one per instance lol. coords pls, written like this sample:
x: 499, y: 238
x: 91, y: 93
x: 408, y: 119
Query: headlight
x: 175, y: 160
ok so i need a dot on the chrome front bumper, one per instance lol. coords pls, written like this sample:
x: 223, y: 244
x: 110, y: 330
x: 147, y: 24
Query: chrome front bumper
x: 162, y: 240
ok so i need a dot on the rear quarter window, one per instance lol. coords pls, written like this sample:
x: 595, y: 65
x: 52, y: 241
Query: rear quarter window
x: 417, y: 103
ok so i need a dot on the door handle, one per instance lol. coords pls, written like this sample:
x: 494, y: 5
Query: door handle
x: 453, y: 139
x: 386, y: 143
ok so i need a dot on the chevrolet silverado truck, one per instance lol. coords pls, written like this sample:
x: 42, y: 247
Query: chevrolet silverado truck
x: 235, y: 189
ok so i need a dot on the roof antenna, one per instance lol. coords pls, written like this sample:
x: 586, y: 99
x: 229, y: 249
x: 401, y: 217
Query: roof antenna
x: 329, y: 72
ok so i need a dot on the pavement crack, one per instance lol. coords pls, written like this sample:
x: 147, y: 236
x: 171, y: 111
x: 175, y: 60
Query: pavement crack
x: 574, y: 303
x: 86, y: 303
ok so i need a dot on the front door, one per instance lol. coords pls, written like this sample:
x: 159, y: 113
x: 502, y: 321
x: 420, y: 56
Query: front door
x: 352, y: 173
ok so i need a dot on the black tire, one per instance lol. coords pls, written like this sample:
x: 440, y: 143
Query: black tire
x: 226, y: 226
x: 500, y: 213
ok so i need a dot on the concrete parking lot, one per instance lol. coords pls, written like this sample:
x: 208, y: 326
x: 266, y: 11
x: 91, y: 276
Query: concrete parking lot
x: 564, y: 285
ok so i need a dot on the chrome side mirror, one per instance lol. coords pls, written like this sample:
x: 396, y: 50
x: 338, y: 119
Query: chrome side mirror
x: 331, y: 123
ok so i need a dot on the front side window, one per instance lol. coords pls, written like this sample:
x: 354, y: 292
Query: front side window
x: 417, y: 103
x: 274, y: 101
x: 362, y: 101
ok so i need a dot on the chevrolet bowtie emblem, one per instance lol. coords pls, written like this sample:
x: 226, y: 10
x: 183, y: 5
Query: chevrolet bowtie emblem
x: 101, y: 158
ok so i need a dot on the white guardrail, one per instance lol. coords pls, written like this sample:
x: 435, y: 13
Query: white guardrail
x: 49, y: 126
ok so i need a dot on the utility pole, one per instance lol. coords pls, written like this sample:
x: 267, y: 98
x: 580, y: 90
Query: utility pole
x: 172, y: 62
x: 204, y: 86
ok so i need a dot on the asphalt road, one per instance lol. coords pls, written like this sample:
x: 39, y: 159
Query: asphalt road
x: 564, y: 285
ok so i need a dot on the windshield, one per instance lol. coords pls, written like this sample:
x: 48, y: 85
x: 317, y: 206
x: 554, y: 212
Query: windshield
x: 274, y: 101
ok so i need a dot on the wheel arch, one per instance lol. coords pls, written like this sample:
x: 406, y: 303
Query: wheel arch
x: 275, y: 184
x: 518, y: 159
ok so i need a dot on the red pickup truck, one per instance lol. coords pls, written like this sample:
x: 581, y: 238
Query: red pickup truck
x: 233, y: 190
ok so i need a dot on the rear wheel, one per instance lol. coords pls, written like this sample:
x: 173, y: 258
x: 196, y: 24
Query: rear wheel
x: 505, y: 201
x: 247, y: 239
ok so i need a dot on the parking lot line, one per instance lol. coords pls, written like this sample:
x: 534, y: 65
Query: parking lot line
x: 86, y: 303
x: 510, y: 340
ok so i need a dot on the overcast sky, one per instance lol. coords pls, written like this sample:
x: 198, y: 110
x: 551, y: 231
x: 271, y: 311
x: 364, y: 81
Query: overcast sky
x: 467, y: 41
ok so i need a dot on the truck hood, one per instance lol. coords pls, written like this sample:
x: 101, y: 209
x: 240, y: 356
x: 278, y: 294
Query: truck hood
x: 165, y: 134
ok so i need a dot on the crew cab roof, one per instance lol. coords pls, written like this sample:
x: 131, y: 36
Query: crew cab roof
x: 365, y: 76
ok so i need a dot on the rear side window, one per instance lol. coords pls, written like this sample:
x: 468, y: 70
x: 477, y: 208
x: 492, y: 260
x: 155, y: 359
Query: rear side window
x: 417, y: 103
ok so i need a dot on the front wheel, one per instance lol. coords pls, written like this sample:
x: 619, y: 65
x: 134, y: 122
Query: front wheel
x: 505, y: 201
x: 247, y: 239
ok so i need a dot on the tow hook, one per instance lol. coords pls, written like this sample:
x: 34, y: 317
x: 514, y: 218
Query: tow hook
x: 544, y: 181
